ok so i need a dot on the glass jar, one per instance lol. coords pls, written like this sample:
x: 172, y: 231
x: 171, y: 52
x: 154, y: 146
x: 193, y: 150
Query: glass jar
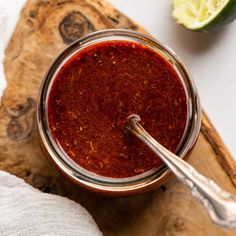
x: 118, y: 186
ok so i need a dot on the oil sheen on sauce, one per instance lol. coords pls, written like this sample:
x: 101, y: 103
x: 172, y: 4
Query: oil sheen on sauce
x: 94, y: 93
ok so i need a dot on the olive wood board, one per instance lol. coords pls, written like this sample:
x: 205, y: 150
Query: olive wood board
x: 44, y: 29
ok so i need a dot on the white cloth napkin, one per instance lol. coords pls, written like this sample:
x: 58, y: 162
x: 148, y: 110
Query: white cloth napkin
x: 25, y: 210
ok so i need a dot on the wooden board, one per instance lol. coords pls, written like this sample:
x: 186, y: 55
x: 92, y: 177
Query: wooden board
x: 44, y: 29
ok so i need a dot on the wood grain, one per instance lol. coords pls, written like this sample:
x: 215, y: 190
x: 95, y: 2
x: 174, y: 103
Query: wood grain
x: 45, y: 28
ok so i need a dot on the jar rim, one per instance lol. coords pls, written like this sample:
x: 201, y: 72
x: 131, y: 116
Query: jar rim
x: 102, y: 183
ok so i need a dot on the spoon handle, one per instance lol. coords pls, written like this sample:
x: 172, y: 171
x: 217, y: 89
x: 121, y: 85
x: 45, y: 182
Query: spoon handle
x: 220, y: 205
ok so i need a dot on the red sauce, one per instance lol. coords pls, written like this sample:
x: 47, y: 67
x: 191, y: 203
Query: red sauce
x: 94, y: 93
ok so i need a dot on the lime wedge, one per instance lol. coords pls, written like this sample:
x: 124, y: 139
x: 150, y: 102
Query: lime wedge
x: 204, y: 15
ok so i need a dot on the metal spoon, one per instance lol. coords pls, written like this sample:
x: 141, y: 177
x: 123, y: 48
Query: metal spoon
x: 220, y: 205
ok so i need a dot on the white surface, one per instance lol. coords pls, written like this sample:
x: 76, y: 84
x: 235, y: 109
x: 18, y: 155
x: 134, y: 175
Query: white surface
x: 41, y: 213
x: 9, y: 13
x: 210, y: 58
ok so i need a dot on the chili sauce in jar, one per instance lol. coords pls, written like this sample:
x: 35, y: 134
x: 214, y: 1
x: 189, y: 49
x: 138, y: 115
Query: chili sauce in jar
x: 87, y: 95
x: 94, y: 93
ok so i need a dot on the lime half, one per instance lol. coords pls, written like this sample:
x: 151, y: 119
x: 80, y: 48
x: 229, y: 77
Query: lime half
x: 204, y: 15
